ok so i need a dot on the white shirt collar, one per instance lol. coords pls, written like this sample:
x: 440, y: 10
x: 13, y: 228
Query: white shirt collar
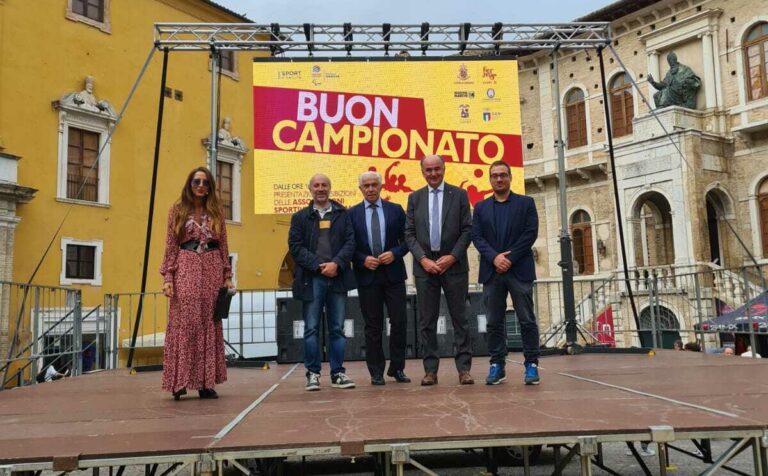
x: 377, y: 202
x: 324, y: 210
x: 440, y: 187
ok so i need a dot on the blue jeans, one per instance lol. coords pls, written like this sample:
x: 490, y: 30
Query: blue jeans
x: 335, y: 305
x: 495, y: 291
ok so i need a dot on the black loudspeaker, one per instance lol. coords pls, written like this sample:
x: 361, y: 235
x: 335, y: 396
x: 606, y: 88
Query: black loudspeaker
x: 476, y: 317
x: 290, y: 331
x: 354, y: 329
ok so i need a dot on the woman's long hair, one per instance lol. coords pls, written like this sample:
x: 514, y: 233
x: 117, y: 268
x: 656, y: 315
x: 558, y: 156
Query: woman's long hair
x: 211, y: 204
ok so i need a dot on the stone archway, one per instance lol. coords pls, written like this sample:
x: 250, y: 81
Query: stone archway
x: 652, y: 232
x: 664, y: 321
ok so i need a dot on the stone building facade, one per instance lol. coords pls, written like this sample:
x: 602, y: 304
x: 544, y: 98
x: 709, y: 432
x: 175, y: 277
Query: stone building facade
x: 687, y: 178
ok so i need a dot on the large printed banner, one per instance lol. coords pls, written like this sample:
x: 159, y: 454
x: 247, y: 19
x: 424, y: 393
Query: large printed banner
x: 343, y: 117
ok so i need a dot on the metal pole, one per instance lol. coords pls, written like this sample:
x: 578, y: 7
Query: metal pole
x: 77, y: 336
x: 242, y: 347
x: 748, y: 310
x: 696, y: 284
x: 36, y: 333
x: 651, y: 290
x: 566, y: 259
x: 97, y: 343
x: 213, y: 143
x: 113, y: 325
x: 158, y: 135
x: 616, y: 199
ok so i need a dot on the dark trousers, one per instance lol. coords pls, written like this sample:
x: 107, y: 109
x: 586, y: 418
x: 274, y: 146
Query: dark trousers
x: 428, y: 298
x: 372, y: 301
x: 495, y: 294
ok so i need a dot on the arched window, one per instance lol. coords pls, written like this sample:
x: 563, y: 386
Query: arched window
x: 762, y: 203
x: 665, y: 319
x: 756, y: 58
x: 576, y: 118
x: 581, y: 232
x: 622, y: 105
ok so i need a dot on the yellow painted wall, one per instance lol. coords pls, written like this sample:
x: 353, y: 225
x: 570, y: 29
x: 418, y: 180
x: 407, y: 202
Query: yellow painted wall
x: 44, y: 55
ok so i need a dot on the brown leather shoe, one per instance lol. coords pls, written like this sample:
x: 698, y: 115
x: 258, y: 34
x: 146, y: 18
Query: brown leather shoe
x: 430, y: 378
x: 465, y: 378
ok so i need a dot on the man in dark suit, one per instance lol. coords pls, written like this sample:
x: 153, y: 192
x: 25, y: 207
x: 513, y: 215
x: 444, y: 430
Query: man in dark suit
x: 438, y: 231
x: 504, y: 228
x: 322, y: 242
x: 380, y: 271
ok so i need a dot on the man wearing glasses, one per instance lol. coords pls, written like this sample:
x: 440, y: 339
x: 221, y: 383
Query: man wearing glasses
x: 504, y: 228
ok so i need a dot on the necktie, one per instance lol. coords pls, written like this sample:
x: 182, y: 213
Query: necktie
x: 375, y: 231
x: 434, y: 232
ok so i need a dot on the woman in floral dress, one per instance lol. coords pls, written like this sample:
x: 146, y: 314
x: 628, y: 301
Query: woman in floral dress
x: 195, y: 266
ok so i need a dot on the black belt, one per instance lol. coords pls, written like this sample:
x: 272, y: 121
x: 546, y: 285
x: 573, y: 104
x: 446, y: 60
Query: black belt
x: 433, y: 255
x: 193, y: 245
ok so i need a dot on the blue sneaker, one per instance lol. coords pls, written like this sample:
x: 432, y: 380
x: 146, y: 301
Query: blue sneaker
x: 531, y: 374
x: 496, y: 375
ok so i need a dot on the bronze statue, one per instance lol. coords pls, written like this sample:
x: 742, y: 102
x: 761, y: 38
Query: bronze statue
x: 679, y: 86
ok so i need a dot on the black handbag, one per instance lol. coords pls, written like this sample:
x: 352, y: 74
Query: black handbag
x: 223, y: 300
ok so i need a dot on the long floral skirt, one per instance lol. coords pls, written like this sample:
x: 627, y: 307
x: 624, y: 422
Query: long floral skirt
x: 193, y: 357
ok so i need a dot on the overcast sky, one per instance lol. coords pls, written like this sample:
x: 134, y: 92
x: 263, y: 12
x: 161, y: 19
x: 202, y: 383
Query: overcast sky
x: 412, y: 11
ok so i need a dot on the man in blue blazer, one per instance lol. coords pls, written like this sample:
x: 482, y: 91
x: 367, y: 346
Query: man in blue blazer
x: 504, y: 228
x: 380, y: 271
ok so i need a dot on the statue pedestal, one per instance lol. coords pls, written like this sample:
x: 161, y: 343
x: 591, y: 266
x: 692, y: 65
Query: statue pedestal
x: 674, y: 119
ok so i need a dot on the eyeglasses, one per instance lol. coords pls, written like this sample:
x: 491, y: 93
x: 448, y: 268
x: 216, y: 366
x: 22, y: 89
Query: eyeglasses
x: 196, y: 182
x: 499, y: 176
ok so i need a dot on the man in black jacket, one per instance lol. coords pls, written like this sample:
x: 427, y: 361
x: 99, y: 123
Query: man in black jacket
x: 322, y: 242
x: 504, y: 228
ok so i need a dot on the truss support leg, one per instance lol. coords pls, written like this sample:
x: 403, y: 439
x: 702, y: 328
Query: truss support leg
x: 587, y: 449
x: 757, y: 457
x: 661, y: 450
x: 526, y: 461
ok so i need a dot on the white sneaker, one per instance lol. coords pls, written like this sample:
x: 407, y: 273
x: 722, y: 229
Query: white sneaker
x: 647, y: 452
x: 313, y: 382
x: 340, y: 380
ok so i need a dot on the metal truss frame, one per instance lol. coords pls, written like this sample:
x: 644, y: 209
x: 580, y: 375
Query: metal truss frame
x: 586, y: 448
x: 335, y: 39
x: 346, y: 37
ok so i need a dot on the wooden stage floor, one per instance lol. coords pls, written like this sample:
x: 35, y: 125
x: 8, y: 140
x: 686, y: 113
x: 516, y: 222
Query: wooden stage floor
x: 115, y: 418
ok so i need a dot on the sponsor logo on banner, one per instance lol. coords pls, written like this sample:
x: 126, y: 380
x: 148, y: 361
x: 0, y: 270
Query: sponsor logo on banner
x: 315, y: 70
x: 464, y: 94
x: 291, y: 74
x: 464, y: 111
x: 490, y: 93
x: 489, y: 115
x: 489, y: 74
x: 463, y: 74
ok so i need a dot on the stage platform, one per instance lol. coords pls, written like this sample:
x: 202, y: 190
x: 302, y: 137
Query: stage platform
x: 114, y: 418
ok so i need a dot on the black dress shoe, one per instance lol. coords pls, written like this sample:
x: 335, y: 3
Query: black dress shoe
x: 208, y: 393
x: 399, y: 376
x: 177, y: 394
x: 377, y: 380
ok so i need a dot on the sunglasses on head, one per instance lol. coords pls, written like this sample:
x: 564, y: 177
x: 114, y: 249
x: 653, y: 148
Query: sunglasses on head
x: 197, y: 182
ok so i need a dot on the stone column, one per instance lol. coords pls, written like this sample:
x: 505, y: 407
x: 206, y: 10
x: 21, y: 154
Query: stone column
x: 709, y: 71
x: 653, y: 68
